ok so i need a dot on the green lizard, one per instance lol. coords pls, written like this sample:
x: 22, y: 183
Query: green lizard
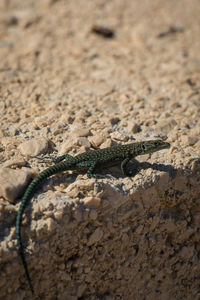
x: 86, y: 161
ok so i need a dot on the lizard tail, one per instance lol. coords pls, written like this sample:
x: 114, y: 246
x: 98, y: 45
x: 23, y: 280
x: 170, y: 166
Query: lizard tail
x: 59, y: 167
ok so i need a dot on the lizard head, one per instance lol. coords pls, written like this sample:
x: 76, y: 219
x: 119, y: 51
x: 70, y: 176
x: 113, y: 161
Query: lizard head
x: 152, y: 146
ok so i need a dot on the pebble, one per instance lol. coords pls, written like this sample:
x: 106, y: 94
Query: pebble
x: 12, y: 182
x: 95, y: 237
x: 34, y: 147
x: 92, y: 202
x: 96, y: 140
x: 80, y: 132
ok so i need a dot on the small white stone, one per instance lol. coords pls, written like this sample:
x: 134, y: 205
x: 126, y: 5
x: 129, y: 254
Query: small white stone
x: 34, y: 147
x: 80, y: 132
x: 12, y: 182
x: 97, y: 140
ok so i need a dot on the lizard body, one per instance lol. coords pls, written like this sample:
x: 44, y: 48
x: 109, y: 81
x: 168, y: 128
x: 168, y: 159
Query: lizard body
x: 85, y: 161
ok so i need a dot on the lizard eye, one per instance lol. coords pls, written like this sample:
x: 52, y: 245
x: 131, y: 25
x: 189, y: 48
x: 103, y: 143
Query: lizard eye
x: 157, y: 143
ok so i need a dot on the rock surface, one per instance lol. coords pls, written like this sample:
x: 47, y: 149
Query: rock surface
x: 66, y: 88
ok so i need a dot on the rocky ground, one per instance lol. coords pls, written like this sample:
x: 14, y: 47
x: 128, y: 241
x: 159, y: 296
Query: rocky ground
x: 79, y: 75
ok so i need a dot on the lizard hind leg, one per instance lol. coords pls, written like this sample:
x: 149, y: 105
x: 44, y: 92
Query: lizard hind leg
x: 89, y: 166
x: 123, y: 166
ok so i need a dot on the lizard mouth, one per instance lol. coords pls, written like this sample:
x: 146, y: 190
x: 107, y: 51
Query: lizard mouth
x: 165, y: 146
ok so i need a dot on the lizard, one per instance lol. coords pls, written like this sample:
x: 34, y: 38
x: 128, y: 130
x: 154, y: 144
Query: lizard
x: 88, y: 161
